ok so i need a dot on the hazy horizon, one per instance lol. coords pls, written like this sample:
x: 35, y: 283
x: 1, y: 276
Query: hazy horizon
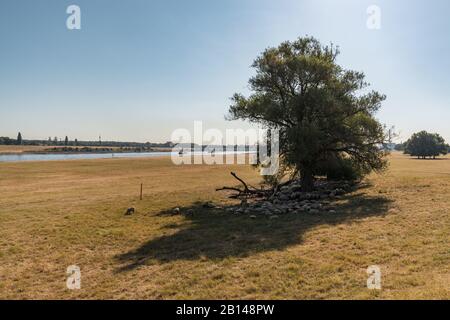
x: 136, y: 71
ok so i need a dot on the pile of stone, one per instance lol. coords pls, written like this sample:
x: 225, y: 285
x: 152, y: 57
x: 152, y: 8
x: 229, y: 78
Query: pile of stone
x: 290, y: 199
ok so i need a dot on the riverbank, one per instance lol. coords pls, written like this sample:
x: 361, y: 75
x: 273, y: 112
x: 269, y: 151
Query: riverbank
x: 20, y: 150
x: 13, y: 149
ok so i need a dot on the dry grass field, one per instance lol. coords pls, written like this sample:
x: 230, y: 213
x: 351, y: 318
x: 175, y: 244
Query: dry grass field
x: 21, y: 149
x: 56, y: 214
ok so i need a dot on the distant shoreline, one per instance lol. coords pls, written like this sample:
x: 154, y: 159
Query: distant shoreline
x: 41, y: 150
x: 15, y: 150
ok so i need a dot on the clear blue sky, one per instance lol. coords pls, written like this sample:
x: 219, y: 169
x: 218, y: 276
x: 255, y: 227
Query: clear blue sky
x: 139, y: 69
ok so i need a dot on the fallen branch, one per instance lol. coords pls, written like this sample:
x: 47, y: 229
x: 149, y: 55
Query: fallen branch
x: 247, y: 191
x: 229, y: 188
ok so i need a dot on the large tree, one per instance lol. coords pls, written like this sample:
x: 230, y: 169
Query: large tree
x: 323, y: 112
x: 423, y: 144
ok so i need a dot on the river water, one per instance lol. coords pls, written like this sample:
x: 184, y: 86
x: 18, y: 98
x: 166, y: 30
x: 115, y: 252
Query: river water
x: 83, y: 156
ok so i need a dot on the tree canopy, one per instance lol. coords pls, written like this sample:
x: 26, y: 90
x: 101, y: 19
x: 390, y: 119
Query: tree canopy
x: 423, y: 144
x: 324, y: 113
x: 19, y: 138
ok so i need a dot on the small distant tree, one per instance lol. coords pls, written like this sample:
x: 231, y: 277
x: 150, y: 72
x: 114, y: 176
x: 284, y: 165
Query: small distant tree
x: 66, y: 141
x: 55, y: 141
x: 6, y: 141
x: 76, y: 142
x: 423, y: 144
x: 19, y: 139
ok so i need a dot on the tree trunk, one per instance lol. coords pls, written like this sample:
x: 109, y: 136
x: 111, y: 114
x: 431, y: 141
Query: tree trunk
x: 307, y: 180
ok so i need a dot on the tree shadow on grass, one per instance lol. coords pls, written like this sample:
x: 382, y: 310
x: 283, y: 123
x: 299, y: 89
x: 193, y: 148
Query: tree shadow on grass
x: 214, y: 234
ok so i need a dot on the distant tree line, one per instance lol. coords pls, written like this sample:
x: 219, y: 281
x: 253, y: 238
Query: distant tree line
x: 55, y: 141
x: 9, y: 141
x: 126, y: 146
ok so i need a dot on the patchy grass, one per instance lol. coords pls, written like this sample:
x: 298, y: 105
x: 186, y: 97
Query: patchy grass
x: 20, y: 149
x: 56, y: 214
